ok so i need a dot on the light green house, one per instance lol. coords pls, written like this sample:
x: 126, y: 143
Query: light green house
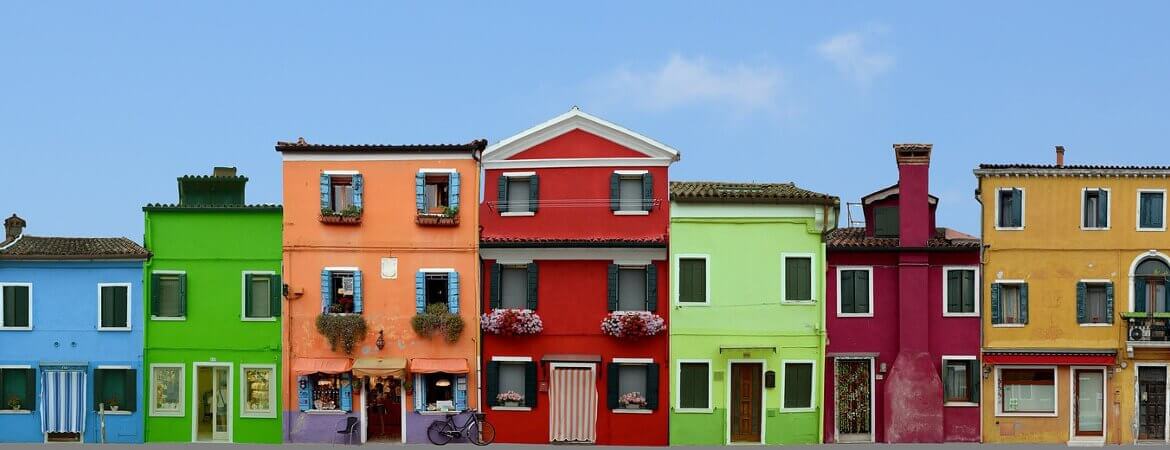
x: 747, y: 327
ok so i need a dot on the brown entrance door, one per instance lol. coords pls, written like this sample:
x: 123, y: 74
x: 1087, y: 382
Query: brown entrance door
x: 745, y: 401
x: 1089, y: 405
x: 1152, y: 403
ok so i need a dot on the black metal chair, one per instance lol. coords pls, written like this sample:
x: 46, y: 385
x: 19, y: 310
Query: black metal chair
x: 351, y: 428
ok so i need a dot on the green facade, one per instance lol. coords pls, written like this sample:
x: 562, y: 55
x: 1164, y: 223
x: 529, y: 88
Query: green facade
x: 213, y: 247
x: 744, y: 319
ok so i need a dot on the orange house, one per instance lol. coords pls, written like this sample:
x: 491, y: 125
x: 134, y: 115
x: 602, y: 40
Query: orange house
x: 381, y: 277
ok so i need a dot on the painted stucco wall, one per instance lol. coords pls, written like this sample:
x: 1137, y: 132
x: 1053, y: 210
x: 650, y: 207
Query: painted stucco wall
x: 214, y: 247
x: 743, y: 244
x: 64, y: 308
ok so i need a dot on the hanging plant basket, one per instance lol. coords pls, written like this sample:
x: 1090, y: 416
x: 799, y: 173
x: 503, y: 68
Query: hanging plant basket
x: 511, y: 322
x: 342, y: 330
x: 632, y: 324
x: 437, y: 319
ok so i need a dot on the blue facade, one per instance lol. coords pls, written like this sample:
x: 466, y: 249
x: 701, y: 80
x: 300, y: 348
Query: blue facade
x: 64, y: 319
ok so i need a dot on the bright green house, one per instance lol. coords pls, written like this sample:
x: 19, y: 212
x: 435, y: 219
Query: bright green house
x: 213, y: 325
x: 747, y: 329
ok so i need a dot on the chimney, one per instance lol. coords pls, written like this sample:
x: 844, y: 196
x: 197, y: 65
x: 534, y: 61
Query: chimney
x: 1059, y: 156
x: 223, y: 172
x: 913, y: 193
x: 13, y: 227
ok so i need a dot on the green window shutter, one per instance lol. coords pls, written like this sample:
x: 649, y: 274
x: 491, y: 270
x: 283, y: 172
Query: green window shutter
x: 973, y: 372
x: 533, y: 193
x: 1082, y: 313
x: 700, y: 276
x: 996, y: 309
x: 651, y: 288
x: 968, y: 291
x: 1103, y: 208
x: 493, y: 381
x: 652, y: 393
x: 533, y: 278
x: 797, y: 279
x: 692, y: 284
x: 1017, y: 208
x: 611, y: 288
x: 494, y: 300
x: 530, y: 385
x: 848, y: 292
x: 121, y: 301
x: 1024, y: 303
x: 1139, y: 295
x: 182, y: 295
x: 248, y: 295
x: 1109, y: 302
x: 30, y: 389
x: 611, y: 380
x: 277, y: 293
x: 647, y: 191
x: 886, y: 221
x: 155, y: 304
x: 130, y: 402
x: 99, y: 388
x: 861, y: 291
x: 615, y: 191
x: 954, y: 291
x: 502, y: 194
x: 1156, y: 211
x: 21, y: 307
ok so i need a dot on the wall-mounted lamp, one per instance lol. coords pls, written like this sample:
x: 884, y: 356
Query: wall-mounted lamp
x: 986, y: 371
x: 443, y: 382
x: 882, y: 368
x: 381, y: 342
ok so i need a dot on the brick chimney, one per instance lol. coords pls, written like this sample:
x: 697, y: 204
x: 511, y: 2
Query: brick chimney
x: 913, y: 193
x: 13, y: 227
x: 1059, y: 156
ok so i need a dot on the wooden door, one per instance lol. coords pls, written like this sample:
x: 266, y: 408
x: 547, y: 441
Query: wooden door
x: 1152, y: 403
x: 853, y: 394
x: 745, y: 402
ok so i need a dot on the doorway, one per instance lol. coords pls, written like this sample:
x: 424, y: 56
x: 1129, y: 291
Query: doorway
x: 853, y: 399
x: 572, y: 399
x: 212, y: 405
x: 384, y: 409
x: 1151, y: 393
x: 746, y: 403
x: 1089, y: 403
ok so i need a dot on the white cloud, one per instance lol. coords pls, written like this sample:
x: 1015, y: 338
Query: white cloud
x: 852, y: 55
x: 686, y: 81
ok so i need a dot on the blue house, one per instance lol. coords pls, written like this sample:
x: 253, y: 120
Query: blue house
x: 70, y: 338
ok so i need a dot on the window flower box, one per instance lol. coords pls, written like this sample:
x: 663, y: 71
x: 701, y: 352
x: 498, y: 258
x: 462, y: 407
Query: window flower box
x: 510, y: 399
x: 632, y: 324
x: 511, y: 322
x: 349, y: 216
x: 632, y: 400
x: 437, y: 220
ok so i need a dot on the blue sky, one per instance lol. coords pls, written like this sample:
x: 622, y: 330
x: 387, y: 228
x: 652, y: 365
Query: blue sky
x: 104, y: 104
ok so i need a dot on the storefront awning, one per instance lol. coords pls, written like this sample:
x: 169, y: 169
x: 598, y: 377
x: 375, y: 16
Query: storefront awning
x: 435, y: 365
x: 305, y: 366
x: 1052, y: 357
x: 379, y: 367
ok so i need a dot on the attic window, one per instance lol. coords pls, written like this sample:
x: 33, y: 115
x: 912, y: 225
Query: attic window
x: 885, y: 221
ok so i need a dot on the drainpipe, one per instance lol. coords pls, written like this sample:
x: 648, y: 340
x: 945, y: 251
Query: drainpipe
x: 983, y: 279
x: 822, y: 339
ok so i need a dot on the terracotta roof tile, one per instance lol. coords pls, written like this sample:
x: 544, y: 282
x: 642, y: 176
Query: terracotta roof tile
x: 302, y: 146
x: 724, y: 192
x: 510, y: 241
x: 855, y: 238
x: 49, y: 248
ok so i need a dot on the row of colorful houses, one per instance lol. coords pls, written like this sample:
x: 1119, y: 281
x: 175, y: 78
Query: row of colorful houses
x: 560, y: 283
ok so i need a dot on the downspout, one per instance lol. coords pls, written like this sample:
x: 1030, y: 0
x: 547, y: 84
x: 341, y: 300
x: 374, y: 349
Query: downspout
x: 822, y: 341
x: 477, y: 156
x: 982, y: 264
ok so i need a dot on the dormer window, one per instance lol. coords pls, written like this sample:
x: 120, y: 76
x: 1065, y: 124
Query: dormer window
x: 885, y: 221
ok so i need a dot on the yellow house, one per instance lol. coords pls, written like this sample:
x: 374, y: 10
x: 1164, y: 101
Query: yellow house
x: 1075, y: 342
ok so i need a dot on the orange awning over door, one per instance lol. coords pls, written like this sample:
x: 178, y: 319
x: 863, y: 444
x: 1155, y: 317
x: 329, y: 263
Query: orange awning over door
x: 305, y: 366
x: 435, y: 365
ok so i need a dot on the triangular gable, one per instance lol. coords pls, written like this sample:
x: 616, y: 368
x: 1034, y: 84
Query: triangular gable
x: 612, y: 141
x: 889, y: 192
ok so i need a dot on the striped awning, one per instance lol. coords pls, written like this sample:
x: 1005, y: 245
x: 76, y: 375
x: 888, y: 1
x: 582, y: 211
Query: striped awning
x: 573, y: 405
x: 64, y: 405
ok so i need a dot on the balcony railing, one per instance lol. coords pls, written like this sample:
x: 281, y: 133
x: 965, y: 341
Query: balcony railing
x: 1151, y: 329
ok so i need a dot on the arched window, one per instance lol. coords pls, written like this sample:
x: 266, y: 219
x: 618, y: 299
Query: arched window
x: 1149, y: 286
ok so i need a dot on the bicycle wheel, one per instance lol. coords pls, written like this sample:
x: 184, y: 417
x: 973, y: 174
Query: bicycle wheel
x: 440, y: 432
x: 481, y: 433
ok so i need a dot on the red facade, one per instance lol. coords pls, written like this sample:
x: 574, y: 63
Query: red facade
x: 574, y: 252
x: 914, y: 350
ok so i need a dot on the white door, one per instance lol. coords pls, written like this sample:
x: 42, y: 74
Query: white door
x: 212, y: 394
x: 220, y: 403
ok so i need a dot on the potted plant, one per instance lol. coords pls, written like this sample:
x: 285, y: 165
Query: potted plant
x: 437, y: 319
x: 14, y: 403
x: 510, y: 398
x: 632, y: 400
x: 113, y: 402
x: 511, y: 322
x: 632, y: 324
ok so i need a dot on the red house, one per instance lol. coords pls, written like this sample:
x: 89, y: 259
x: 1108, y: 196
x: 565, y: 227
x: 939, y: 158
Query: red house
x: 574, y: 242
x: 902, y: 363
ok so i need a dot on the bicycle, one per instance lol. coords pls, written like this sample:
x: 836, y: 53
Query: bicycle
x: 476, y: 429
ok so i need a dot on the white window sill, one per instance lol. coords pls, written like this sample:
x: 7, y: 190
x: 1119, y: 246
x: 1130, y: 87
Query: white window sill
x: 326, y: 412
x: 14, y: 411
x: 344, y: 314
x: 632, y: 411
x: 168, y: 414
x: 631, y: 213
x: 1003, y: 414
x: 1008, y: 325
x: 798, y: 302
x: 258, y: 415
x: 690, y: 304
x: 15, y: 328
x: 694, y: 410
x: 1151, y: 229
x: 436, y: 413
x: 258, y: 319
x: 113, y: 329
x: 1009, y: 228
x: 960, y: 404
x: 963, y: 314
x: 168, y: 319
x: 1094, y: 229
x: 118, y: 413
x: 849, y: 315
x: 1093, y: 441
x: 511, y: 408
x: 518, y: 214
x: 797, y: 410
x: 1096, y: 324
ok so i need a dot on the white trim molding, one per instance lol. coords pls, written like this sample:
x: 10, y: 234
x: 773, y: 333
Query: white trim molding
x: 572, y: 120
x: 763, y: 363
x: 976, y: 292
x: 31, y: 304
x: 1133, y: 268
x: 812, y: 274
x: 370, y: 156
x: 512, y: 358
x: 426, y: 170
x: 181, y: 410
x: 1023, y: 208
x: 1072, y: 402
x: 129, y: 307
x: 244, y: 295
x: 812, y: 401
x: 340, y: 172
x: 999, y: 397
x: 677, y: 378
x: 978, y: 379
x: 674, y: 292
x: 869, y: 270
x: 273, y: 393
x: 1138, y: 219
x: 437, y: 270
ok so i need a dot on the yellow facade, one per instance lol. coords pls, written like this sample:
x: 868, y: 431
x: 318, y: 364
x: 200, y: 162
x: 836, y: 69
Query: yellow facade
x: 1051, y: 254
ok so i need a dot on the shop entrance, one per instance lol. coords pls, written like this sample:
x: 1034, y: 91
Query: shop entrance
x: 384, y: 409
x: 1151, y: 403
x: 212, y: 402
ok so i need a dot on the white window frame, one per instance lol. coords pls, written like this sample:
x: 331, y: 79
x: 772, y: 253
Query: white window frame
x: 978, y: 374
x: 129, y: 307
x: 510, y: 359
x: 244, y: 294
x: 181, y: 318
x: 1108, y: 209
x: 511, y: 175
x: 1007, y: 325
x: 1101, y: 282
x: 630, y: 265
x: 812, y: 273
x: 182, y: 410
x: 812, y: 401
x: 868, y: 269
x: 1072, y: 400
x: 675, y: 294
x: 1138, y: 218
x: 113, y: 367
x: 678, y: 408
x: 999, y: 395
x: 272, y: 392
x: 1023, y: 208
x: 624, y: 174
x: 946, y: 292
x: 4, y: 327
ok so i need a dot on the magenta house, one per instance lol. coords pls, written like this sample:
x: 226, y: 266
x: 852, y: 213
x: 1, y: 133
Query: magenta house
x: 902, y: 363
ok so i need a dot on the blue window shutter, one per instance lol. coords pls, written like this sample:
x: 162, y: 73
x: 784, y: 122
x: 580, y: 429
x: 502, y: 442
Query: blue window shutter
x: 326, y: 292
x: 345, y: 397
x: 1109, y: 302
x: 647, y: 191
x: 357, y: 184
x: 420, y: 195
x: 996, y: 309
x: 1024, y: 303
x: 357, y: 291
x: 453, y: 190
x: 651, y: 288
x: 453, y: 292
x: 420, y: 393
x: 1139, y: 295
x: 533, y: 193
x: 1082, y: 314
x: 326, y: 200
x: 304, y: 393
x: 420, y: 292
x: 461, y: 393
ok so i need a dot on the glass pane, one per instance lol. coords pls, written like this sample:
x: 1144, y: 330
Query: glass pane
x: 258, y: 389
x: 518, y: 193
x: 1010, y: 299
x: 955, y: 381
x: 14, y: 388
x: 261, y: 305
x: 514, y: 288
x: 798, y: 385
x: 632, y: 290
x: 1095, y: 304
x: 631, y: 194
x: 511, y: 379
x: 343, y: 293
x: 693, y: 383
x: 798, y: 279
x: 342, y: 196
x: 221, y: 399
x: 632, y: 382
x: 1005, y: 209
x: 168, y: 296
x: 167, y: 389
x: 1090, y: 395
x: 1028, y: 390
x: 16, y: 306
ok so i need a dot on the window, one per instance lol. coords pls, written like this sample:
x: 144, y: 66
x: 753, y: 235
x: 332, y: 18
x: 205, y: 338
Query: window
x: 512, y: 383
x: 257, y: 391
x: 19, y: 388
x: 632, y: 384
x: 1149, y: 286
x: 341, y: 195
x: 1151, y: 210
x: 632, y: 289
x: 1009, y: 303
x: 1094, y: 302
x: 341, y: 291
x: 961, y: 380
x: 166, y: 392
x: 692, y: 280
x: 959, y: 296
x: 436, y: 192
x: 518, y: 193
x: 325, y: 392
x: 1027, y: 390
x: 631, y: 192
x: 116, y: 388
x: 694, y: 385
x: 854, y: 291
x: 114, y: 306
x: 1010, y: 208
x: 15, y: 300
x: 168, y: 295
x: 438, y: 392
x: 885, y: 221
x: 514, y: 287
x: 798, y: 386
x: 1095, y: 206
x: 262, y: 292
x: 798, y: 278
x: 436, y: 289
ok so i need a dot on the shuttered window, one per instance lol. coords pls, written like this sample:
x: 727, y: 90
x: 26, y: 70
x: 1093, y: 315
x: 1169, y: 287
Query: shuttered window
x: 18, y: 385
x: 514, y: 287
x: 633, y: 385
x: 115, y: 387
x: 960, y: 291
x: 692, y: 280
x: 885, y: 221
x: 511, y: 383
x: 798, y: 278
x: 798, y: 385
x: 1009, y: 303
x: 518, y: 190
x: 1151, y: 212
x: 694, y: 385
x: 632, y: 289
x: 114, y: 304
x: 855, y: 291
x: 961, y: 380
x: 1011, y: 208
x: 631, y: 194
x: 168, y: 295
x: 1096, y: 209
x: 261, y: 296
x: 1094, y: 302
x: 16, y: 302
